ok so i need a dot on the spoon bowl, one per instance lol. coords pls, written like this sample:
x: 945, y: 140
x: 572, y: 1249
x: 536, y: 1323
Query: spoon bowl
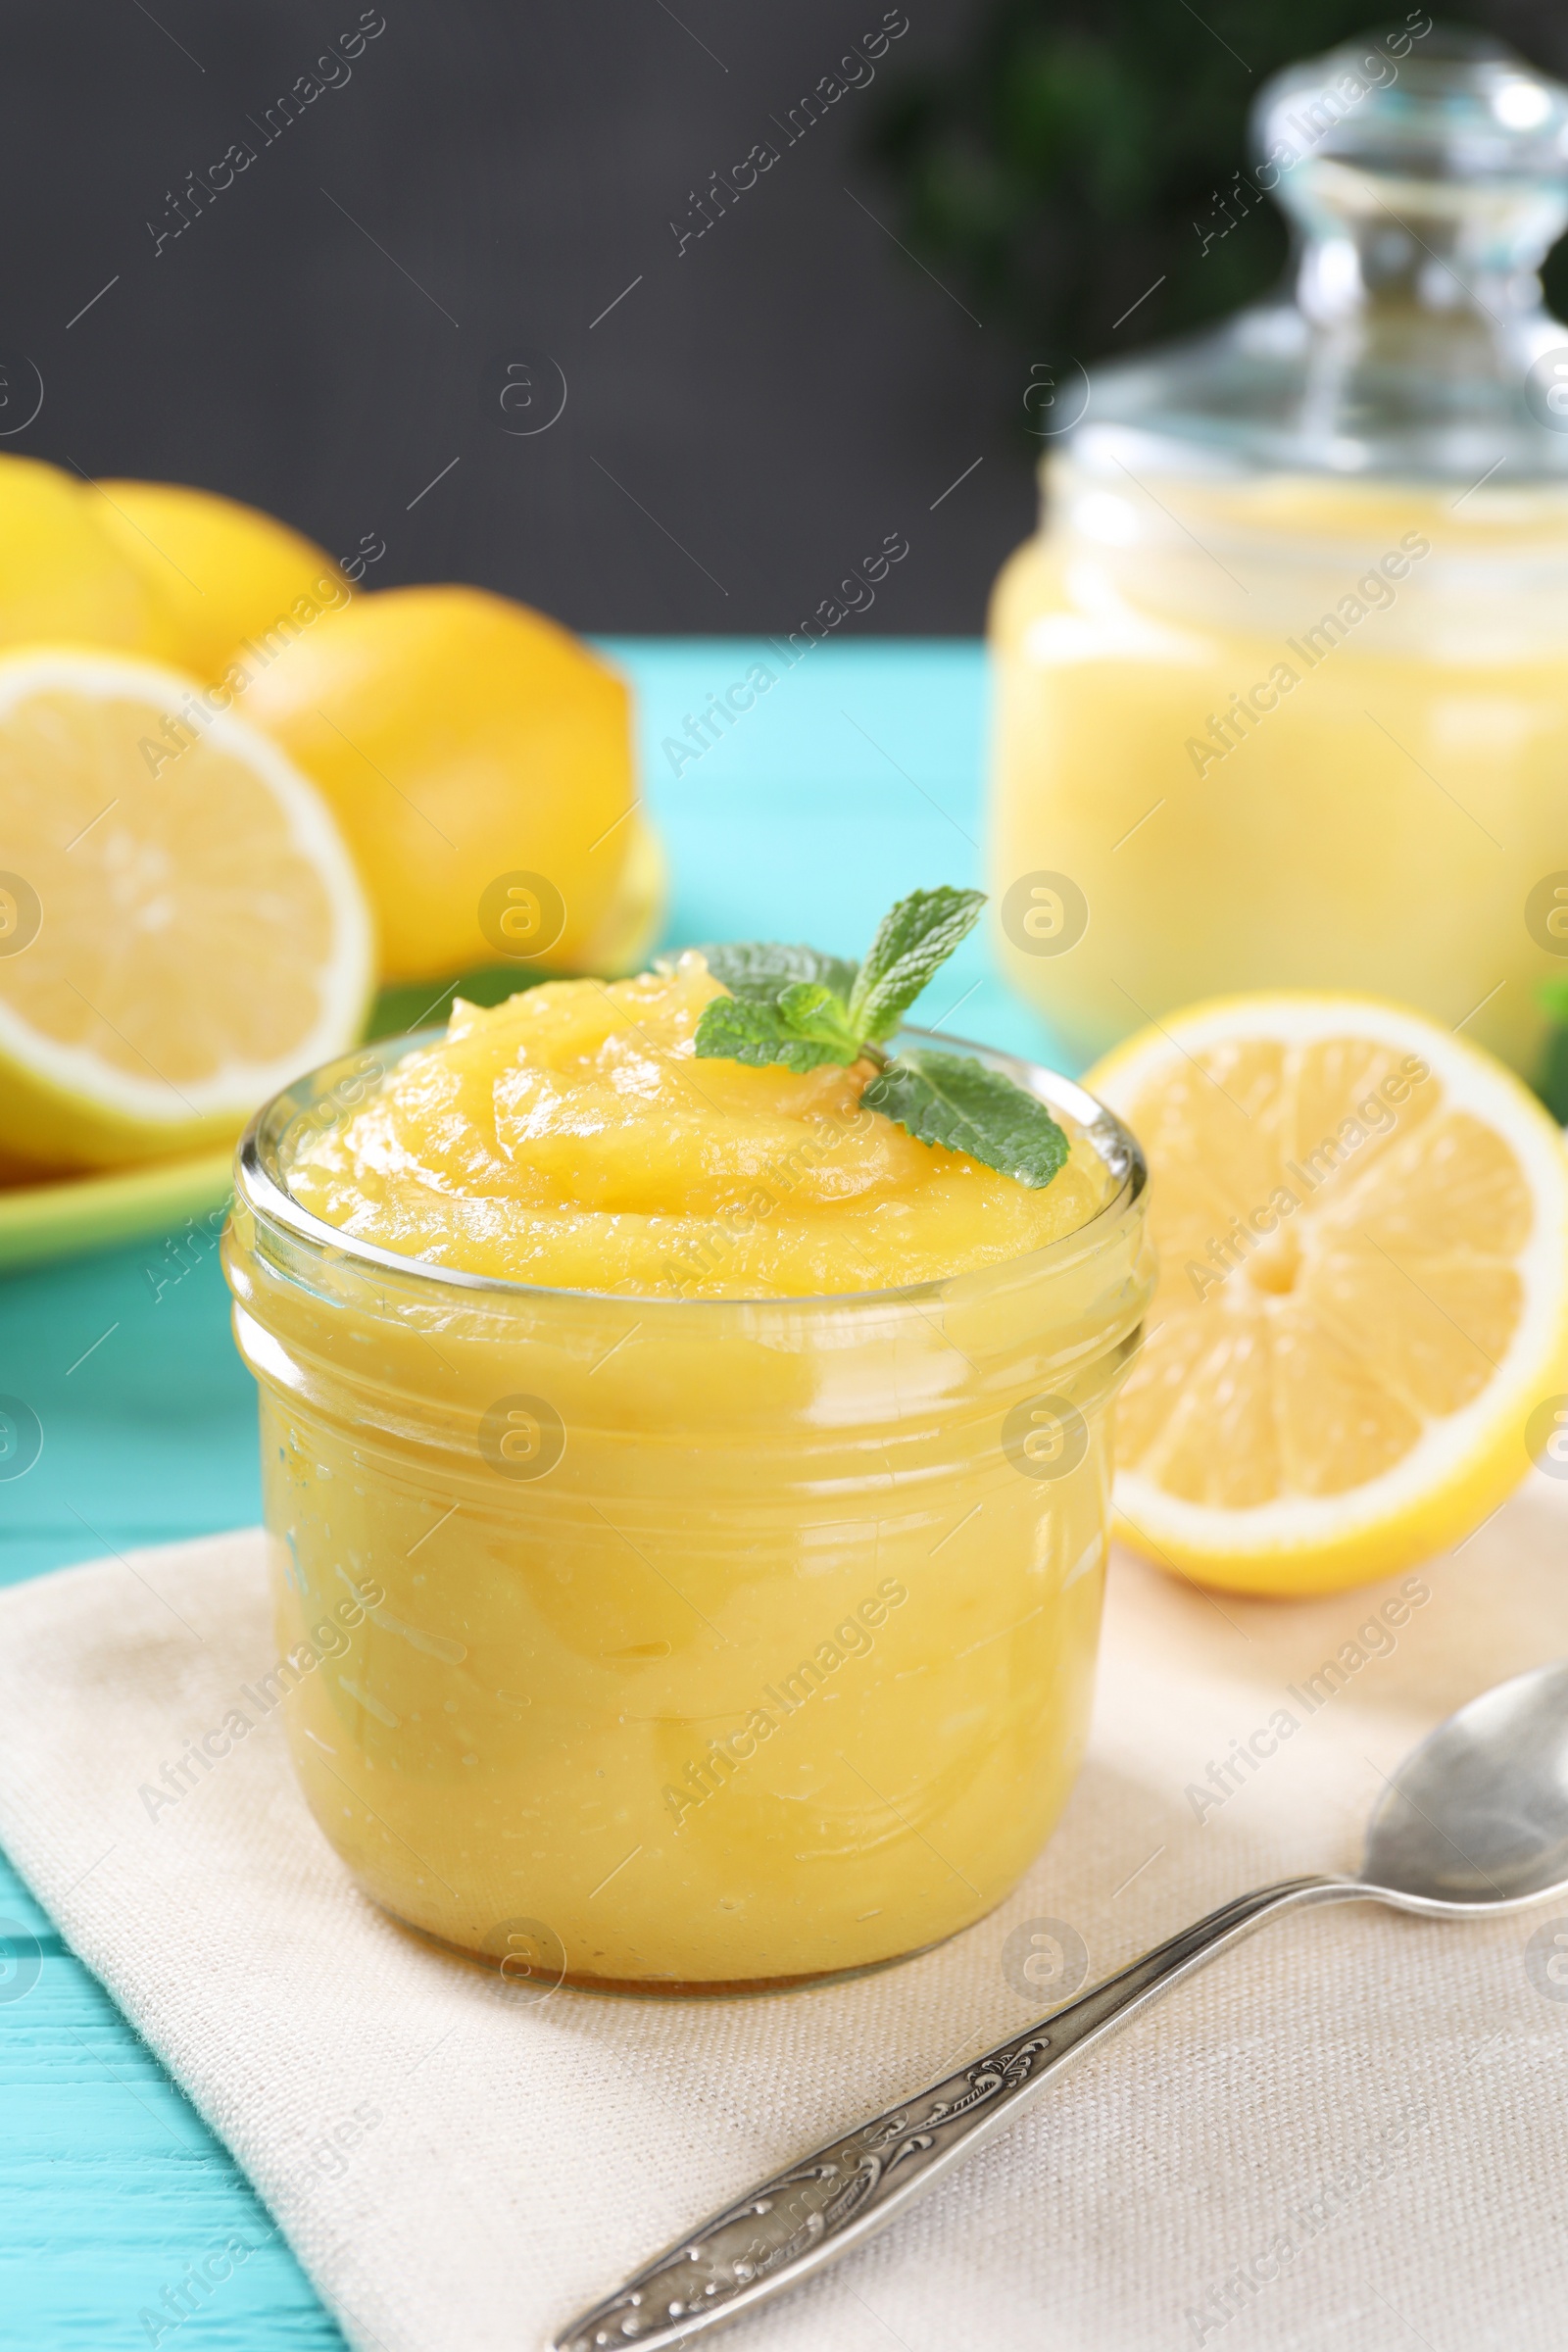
x: 1476, y: 1819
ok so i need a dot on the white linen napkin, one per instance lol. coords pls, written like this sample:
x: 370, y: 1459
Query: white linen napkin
x: 1354, y: 2128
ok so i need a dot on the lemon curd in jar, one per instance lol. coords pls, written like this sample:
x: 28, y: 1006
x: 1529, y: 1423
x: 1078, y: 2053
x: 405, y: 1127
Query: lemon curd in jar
x: 725, y: 1473
x: 1284, y: 733
x: 1282, y: 684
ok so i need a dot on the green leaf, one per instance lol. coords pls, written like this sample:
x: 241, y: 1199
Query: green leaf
x: 760, y: 969
x: 731, y: 1029
x: 948, y: 1098
x: 811, y: 1011
x: 914, y: 941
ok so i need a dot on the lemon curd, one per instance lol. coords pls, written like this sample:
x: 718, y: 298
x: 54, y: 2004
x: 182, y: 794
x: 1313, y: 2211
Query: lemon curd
x: 1283, y: 733
x: 571, y: 1136
x: 733, y: 1471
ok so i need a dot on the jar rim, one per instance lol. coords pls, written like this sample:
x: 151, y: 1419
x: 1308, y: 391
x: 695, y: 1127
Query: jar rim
x: 260, y: 1184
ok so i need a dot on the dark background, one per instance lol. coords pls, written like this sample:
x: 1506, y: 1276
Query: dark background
x: 330, y: 333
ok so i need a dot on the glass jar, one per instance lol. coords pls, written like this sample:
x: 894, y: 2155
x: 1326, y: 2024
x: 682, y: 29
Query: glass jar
x: 682, y: 1646
x: 1282, y: 685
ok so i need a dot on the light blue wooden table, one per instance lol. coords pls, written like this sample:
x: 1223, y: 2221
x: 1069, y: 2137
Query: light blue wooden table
x: 855, y: 778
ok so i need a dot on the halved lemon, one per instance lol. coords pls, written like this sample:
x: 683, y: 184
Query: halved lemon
x: 1363, y: 1224
x: 181, y: 927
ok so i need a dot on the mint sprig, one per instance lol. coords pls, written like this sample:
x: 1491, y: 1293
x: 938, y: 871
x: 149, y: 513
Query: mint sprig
x: 794, y: 1007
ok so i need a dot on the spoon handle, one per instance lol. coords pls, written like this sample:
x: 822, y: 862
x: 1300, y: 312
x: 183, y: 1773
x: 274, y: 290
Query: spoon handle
x: 840, y: 2194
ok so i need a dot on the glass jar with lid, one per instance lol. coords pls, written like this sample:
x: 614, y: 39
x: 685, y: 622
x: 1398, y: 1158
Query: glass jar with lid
x: 1281, y: 682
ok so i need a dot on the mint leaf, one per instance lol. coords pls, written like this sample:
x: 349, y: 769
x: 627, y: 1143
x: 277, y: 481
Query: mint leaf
x: 812, y: 1011
x: 732, y: 1029
x: 914, y: 941
x: 760, y: 969
x: 948, y: 1099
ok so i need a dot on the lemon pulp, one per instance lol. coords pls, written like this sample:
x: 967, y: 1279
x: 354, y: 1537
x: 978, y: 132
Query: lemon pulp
x: 1362, y: 1225
x: 180, y: 928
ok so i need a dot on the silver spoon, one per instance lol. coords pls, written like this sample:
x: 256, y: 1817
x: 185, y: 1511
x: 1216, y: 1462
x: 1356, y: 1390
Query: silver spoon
x: 1473, y: 1825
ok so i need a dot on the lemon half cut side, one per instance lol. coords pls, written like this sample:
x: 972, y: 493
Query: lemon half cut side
x: 183, y: 930
x: 1363, y: 1224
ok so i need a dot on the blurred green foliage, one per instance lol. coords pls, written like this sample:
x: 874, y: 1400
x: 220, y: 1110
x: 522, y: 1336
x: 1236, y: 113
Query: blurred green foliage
x: 1076, y: 152
x: 1551, y: 1082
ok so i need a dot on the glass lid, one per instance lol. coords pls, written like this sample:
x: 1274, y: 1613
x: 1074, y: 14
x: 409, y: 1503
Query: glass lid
x: 1425, y: 173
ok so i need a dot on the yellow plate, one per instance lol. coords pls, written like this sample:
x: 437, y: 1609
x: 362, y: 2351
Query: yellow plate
x: 75, y: 1213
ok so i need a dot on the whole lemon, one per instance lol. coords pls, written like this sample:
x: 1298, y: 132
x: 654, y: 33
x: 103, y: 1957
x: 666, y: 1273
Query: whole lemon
x: 62, y: 577
x: 215, y: 571
x: 480, y: 760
